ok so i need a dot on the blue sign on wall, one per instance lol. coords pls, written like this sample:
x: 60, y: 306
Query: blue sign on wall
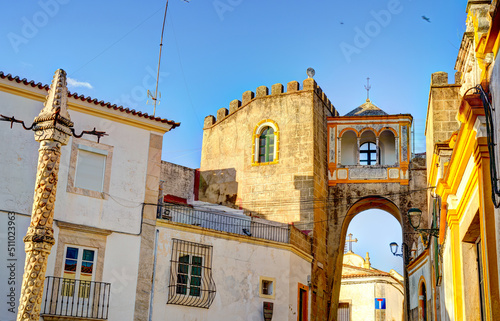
x: 379, y: 303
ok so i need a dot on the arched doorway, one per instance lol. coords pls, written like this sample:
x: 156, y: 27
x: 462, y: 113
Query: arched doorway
x: 422, y: 301
x: 372, y: 284
x: 395, y: 202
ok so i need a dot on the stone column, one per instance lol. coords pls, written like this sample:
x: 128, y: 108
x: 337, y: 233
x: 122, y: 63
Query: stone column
x: 396, y: 149
x: 339, y: 161
x: 357, y: 151
x: 52, y: 130
x: 378, y: 152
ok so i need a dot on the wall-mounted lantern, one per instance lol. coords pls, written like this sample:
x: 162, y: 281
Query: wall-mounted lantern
x: 415, y: 218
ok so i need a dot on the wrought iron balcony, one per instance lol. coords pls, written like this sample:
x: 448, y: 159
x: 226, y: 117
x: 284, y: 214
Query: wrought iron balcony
x: 75, y: 298
x: 226, y: 222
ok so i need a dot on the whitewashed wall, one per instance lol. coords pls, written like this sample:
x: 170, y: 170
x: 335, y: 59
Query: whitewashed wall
x: 425, y: 271
x: 236, y: 268
x: 361, y: 294
x: 121, y: 212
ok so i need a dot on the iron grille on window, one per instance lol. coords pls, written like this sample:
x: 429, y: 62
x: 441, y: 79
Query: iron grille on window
x: 191, y: 282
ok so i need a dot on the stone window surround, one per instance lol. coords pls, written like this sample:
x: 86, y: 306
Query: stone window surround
x: 71, y: 188
x: 81, y: 236
x: 261, y: 282
x: 255, y: 144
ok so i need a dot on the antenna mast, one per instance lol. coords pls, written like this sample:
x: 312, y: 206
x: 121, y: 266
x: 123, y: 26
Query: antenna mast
x: 368, y: 87
x: 159, y: 60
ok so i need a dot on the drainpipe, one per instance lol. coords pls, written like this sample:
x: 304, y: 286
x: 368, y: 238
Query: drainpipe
x: 153, y: 279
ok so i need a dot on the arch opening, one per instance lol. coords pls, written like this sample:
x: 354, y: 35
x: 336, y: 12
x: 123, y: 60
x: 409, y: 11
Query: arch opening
x: 348, y: 148
x: 365, y: 276
x: 387, y: 144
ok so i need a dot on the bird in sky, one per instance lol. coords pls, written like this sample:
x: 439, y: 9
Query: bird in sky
x: 426, y: 19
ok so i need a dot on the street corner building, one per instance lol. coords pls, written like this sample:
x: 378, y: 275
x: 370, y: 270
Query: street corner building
x: 100, y: 218
x: 455, y: 275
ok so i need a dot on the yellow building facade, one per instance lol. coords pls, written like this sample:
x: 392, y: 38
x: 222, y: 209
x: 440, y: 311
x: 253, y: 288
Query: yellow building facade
x: 461, y: 136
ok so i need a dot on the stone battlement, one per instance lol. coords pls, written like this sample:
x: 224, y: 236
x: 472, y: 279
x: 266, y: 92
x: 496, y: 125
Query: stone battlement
x: 440, y: 78
x: 292, y: 87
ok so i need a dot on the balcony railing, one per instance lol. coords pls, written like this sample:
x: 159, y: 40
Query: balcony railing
x: 76, y: 298
x: 226, y: 222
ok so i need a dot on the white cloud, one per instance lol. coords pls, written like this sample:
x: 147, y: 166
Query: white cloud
x: 75, y: 83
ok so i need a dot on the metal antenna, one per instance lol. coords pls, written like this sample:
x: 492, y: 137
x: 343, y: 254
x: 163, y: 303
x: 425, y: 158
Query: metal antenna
x: 367, y: 87
x: 159, y: 61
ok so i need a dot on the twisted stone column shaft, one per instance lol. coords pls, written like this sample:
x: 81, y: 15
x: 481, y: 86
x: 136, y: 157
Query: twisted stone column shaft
x: 40, y: 236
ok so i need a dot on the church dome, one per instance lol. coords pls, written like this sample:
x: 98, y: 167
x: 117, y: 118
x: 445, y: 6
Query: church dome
x: 367, y: 109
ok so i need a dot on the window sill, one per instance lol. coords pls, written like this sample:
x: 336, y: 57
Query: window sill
x: 267, y: 163
x: 86, y: 192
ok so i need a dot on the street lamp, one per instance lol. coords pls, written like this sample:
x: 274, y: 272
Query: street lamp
x: 404, y: 251
x: 415, y: 218
x: 405, y: 256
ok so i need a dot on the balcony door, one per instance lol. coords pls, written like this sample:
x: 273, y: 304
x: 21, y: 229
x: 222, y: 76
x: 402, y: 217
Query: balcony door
x: 77, y: 288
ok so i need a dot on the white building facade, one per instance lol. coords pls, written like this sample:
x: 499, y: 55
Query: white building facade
x: 99, y: 209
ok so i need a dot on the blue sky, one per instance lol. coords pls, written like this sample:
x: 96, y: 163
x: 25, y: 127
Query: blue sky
x: 215, y: 50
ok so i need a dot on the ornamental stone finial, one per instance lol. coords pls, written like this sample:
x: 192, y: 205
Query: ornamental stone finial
x: 53, y: 122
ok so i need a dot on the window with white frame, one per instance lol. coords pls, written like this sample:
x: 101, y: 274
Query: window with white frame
x: 90, y: 168
x: 78, y: 270
x: 191, y: 281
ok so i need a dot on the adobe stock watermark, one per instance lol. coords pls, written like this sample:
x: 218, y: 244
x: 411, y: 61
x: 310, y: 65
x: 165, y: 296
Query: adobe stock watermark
x: 138, y: 94
x: 31, y: 26
x: 121, y: 279
x: 222, y: 7
x: 10, y: 283
x: 364, y: 36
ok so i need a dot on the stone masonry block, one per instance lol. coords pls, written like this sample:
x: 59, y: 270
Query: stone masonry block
x: 247, y: 96
x: 262, y: 91
x: 234, y: 105
x: 221, y: 114
x: 439, y: 78
x: 209, y: 121
x: 458, y: 78
x: 309, y: 84
x: 276, y: 89
x: 292, y: 86
x: 155, y: 141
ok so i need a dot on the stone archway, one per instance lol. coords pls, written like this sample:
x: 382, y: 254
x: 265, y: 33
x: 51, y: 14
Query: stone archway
x: 348, y: 200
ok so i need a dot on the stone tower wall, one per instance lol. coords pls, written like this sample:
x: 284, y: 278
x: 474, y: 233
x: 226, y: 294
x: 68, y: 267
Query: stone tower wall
x: 444, y: 101
x: 274, y: 191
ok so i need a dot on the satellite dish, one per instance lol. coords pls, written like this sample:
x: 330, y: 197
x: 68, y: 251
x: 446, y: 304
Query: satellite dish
x: 310, y: 72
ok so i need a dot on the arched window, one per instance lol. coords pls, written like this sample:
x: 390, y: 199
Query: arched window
x: 368, y: 154
x: 266, y: 145
x: 387, y: 145
x: 266, y: 140
x: 348, y: 147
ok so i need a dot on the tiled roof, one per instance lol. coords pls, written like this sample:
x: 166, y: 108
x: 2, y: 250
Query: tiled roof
x: 362, y: 272
x: 367, y: 109
x: 90, y: 100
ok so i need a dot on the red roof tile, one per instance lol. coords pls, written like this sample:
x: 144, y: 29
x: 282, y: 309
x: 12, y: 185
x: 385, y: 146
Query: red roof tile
x: 90, y: 100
